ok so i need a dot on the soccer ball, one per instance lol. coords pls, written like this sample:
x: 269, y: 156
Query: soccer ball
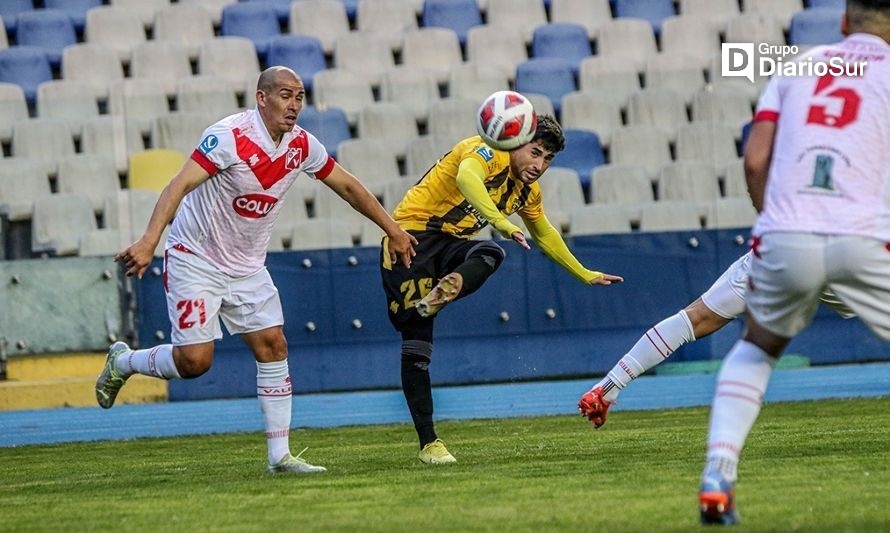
x: 506, y: 120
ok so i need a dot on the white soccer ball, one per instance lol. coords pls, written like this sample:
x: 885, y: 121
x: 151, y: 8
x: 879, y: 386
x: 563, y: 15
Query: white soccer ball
x: 506, y: 120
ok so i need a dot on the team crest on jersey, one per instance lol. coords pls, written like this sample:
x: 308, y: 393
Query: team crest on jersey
x: 208, y: 144
x: 293, y: 158
x: 486, y: 153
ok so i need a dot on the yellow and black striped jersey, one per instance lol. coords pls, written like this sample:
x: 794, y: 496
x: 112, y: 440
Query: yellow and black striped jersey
x: 435, y: 203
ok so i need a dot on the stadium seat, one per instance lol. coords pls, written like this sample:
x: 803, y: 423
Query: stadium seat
x: 734, y: 183
x: 589, y: 13
x: 144, y: 9
x: 621, y: 184
x: 613, y: 80
x: 180, y: 131
x: 22, y: 181
x: 206, y: 94
x: 329, y: 126
x: 99, y: 242
x: 832, y: 4
x: 731, y: 213
x: 213, y: 7
x: 816, y: 26
x: 754, y: 27
x: 690, y: 181
x: 186, y: 25
x: 563, y: 40
x: 139, y: 102
x: 474, y: 81
x: 582, y: 154
x: 435, y: 49
x: 27, y: 67
x: 13, y: 107
x: 128, y: 212
x: 390, y: 122
x: 669, y: 216
x: 457, y: 15
x: 541, y: 102
x: 781, y: 10
x: 321, y: 234
x: 391, y: 19
x: 588, y: 111
x: 111, y: 136
x: 552, y: 77
x: 726, y: 105
x: 599, y: 220
x: 710, y: 142
x: 678, y: 73
x: 453, y: 118
x: 10, y: 9
x: 643, y: 146
x: 422, y: 154
x: 253, y: 20
x: 652, y: 11
x: 344, y: 89
x: 230, y: 58
x: 75, y: 9
x: 717, y: 11
x: 525, y: 15
x: 301, y: 53
x: 661, y: 108
x: 161, y: 62
x: 630, y: 40
x: 4, y: 40
x: 152, y: 170
x: 366, y: 54
x: 48, y: 29
x: 414, y: 88
x: 93, y: 64
x: 330, y: 207
x: 72, y: 102
x: 371, y: 234
x: 43, y: 140
x: 373, y: 161
x: 114, y: 28
x: 59, y: 221
x: 737, y: 83
x: 325, y: 20
x: 292, y: 211
x: 92, y: 176
x: 281, y: 8
x: 562, y: 193
x: 394, y: 191
x: 498, y: 49
x: 690, y: 35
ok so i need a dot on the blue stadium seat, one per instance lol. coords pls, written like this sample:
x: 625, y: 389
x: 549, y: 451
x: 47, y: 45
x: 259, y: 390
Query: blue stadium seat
x: 76, y: 9
x: 457, y: 15
x: 548, y: 76
x: 562, y: 40
x: 26, y: 66
x: 254, y: 20
x: 583, y: 153
x: 329, y: 126
x: 301, y: 53
x: 816, y: 26
x: 351, y: 8
x: 653, y: 11
x: 834, y: 4
x: 282, y: 8
x: 49, y: 29
x: 10, y: 9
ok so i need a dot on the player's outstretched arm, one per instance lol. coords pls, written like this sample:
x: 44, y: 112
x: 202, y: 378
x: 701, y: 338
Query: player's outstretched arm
x: 138, y: 255
x: 471, y: 183
x: 758, y: 155
x: 550, y: 241
x: 348, y: 187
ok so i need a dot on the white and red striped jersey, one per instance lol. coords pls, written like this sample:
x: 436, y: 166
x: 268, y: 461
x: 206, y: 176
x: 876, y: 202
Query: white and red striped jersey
x: 830, y: 169
x: 228, y: 219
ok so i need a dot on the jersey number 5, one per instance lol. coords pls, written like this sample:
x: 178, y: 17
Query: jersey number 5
x: 843, y: 98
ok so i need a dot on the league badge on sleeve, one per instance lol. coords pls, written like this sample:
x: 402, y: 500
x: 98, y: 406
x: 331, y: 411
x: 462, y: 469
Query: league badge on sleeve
x: 208, y: 144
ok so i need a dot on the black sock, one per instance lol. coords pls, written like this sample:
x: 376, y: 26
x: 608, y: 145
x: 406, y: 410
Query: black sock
x: 475, y: 270
x: 417, y: 388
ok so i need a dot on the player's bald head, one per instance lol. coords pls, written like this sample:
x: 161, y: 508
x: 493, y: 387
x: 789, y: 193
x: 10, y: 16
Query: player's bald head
x: 276, y: 76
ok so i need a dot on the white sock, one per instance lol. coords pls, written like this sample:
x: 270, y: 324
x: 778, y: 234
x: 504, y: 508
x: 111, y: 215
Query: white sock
x: 156, y: 362
x: 654, y: 347
x: 740, y: 386
x: 273, y: 389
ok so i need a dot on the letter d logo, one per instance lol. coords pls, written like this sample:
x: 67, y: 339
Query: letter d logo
x: 737, y: 60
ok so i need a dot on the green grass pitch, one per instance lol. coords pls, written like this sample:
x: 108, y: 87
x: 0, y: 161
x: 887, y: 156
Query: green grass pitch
x: 810, y: 466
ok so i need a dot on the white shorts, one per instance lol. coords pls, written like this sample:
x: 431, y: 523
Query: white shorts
x: 198, y: 295
x: 726, y: 296
x: 792, y: 269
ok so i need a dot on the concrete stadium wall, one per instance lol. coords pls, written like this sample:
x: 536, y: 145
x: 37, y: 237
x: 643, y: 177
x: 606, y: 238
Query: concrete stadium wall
x: 590, y: 329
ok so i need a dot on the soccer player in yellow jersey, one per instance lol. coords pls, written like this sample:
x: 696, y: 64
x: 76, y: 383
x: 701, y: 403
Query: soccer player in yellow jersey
x: 469, y: 187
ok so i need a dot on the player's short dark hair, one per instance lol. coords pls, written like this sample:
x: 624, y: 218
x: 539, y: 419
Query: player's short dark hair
x: 870, y: 4
x: 549, y: 132
x: 868, y: 16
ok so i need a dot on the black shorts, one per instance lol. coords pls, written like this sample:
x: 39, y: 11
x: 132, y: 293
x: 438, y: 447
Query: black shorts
x: 438, y: 254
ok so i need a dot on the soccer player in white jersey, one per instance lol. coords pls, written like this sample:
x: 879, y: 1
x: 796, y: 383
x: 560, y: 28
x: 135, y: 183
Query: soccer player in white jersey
x: 818, y: 170
x: 717, y: 307
x: 230, y: 192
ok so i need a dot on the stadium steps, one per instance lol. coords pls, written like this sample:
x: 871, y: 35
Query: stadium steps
x: 67, y: 380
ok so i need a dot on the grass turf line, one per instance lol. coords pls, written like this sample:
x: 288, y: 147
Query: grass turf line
x: 808, y: 466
